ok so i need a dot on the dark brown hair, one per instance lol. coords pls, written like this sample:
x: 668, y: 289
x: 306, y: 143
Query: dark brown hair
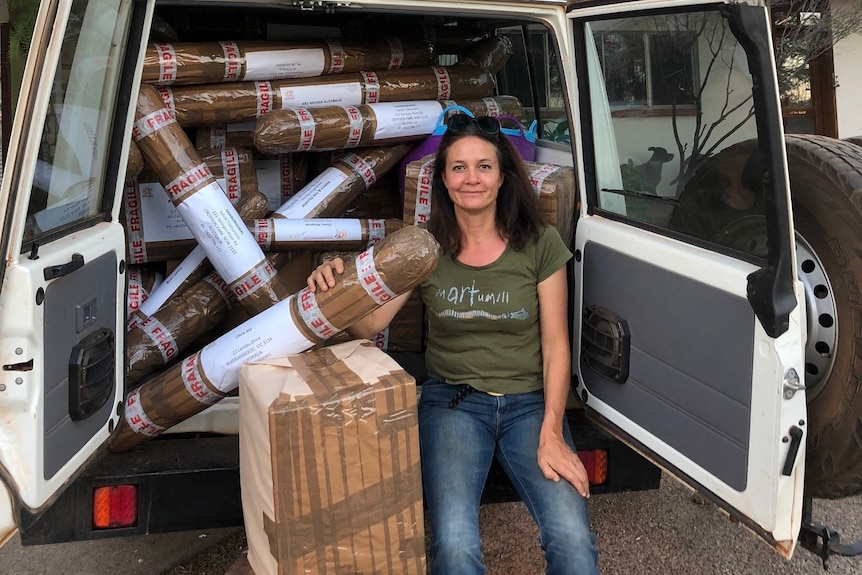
x: 517, y: 211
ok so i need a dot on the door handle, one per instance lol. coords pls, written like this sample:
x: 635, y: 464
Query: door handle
x: 54, y: 272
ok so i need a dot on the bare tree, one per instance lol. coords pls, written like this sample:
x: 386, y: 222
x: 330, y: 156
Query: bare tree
x: 806, y: 29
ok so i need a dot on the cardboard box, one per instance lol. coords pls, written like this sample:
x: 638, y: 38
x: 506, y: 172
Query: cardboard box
x: 329, y: 464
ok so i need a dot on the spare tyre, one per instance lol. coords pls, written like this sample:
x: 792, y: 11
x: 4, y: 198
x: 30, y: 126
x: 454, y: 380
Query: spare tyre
x: 826, y: 192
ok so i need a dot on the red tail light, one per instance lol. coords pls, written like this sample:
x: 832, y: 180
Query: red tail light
x: 115, y: 506
x: 596, y: 463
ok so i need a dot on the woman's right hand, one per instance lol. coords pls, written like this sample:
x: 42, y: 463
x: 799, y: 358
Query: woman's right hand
x: 324, y: 275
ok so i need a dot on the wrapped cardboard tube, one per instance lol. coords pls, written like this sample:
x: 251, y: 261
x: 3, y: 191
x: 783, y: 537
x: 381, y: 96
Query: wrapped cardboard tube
x: 142, y: 282
x: 194, y: 266
x: 395, y: 265
x: 154, y: 227
x: 335, y: 188
x: 209, y: 62
x: 203, y: 205
x: 237, y: 102
x: 491, y: 53
x: 341, y: 127
x: 280, y: 234
x: 135, y: 163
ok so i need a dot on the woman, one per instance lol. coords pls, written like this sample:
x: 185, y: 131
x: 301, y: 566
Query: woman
x: 498, y: 355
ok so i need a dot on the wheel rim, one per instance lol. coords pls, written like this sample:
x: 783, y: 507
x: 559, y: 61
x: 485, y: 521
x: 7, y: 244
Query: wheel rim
x: 821, y: 318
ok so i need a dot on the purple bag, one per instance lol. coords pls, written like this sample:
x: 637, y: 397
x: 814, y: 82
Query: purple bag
x: 524, y: 140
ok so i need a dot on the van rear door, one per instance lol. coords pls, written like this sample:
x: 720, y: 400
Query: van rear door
x: 62, y: 285
x: 691, y: 330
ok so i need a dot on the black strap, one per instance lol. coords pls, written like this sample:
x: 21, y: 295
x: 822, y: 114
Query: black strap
x: 463, y: 391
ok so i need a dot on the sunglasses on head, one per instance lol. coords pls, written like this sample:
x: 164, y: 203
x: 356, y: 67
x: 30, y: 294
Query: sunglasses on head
x: 486, y: 124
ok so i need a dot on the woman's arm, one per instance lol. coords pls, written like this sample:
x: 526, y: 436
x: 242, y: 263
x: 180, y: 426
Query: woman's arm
x: 555, y: 457
x: 323, y: 278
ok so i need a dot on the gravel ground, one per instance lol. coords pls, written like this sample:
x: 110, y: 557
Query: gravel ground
x: 668, y: 531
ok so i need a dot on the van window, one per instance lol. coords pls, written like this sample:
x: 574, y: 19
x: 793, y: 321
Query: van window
x: 68, y: 187
x: 673, y: 129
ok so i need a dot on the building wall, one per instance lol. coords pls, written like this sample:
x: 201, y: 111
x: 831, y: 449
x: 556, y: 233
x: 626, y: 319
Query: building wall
x: 848, y: 53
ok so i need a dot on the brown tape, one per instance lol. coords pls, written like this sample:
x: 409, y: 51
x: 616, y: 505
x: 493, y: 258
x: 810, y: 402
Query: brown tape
x: 183, y: 319
x: 344, y: 486
x: 217, y: 137
x: 135, y: 162
x: 231, y: 103
x: 491, y: 53
x: 210, y: 62
x: 557, y: 190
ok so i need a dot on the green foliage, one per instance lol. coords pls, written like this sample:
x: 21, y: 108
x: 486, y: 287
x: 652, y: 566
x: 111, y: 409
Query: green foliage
x: 22, y: 16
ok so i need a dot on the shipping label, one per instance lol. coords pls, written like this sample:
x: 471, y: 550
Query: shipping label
x: 172, y: 283
x: 405, y: 119
x: 328, y: 94
x: 279, y: 64
x: 219, y: 230
x: 309, y: 198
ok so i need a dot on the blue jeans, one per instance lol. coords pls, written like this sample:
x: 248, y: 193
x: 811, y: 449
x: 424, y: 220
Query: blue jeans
x: 457, y: 447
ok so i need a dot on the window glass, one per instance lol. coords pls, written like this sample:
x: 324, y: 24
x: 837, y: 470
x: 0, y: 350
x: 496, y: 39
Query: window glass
x: 69, y: 183
x: 696, y: 173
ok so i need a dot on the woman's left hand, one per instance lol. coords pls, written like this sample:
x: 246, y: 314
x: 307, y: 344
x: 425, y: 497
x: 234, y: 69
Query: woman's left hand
x: 557, y: 460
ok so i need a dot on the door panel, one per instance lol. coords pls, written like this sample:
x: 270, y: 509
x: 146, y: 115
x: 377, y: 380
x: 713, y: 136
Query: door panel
x: 690, y: 338
x: 61, y: 335
x: 690, y: 359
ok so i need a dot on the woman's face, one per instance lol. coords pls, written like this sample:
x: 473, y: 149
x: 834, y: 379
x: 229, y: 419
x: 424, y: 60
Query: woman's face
x: 472, y: 175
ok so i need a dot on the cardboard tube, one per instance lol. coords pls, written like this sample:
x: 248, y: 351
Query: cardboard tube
x: 332, y: 191
x: 210, y: 62
x: 237, y: 102
x: 395, y: 265
x: 154, y: 227
x: 141, y: 282
x: 341, y: 127
x: 279, y: 234
x: 135, y: 163
x: 195, y: 265
x: 203, y: 205
x: 491, y: 53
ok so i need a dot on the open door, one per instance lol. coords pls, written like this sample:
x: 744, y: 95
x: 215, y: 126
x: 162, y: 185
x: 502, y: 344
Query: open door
x: 691, y: 327
x: 62, y: 286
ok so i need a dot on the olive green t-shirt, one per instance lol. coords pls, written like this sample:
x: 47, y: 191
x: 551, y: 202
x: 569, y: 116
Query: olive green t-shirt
x: 483, y: 322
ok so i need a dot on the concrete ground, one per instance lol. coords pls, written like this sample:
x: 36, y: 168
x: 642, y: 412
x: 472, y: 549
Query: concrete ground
x: 667, y: 531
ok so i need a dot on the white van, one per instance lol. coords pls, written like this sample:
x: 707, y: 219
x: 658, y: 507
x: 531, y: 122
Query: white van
x: 710, y: 334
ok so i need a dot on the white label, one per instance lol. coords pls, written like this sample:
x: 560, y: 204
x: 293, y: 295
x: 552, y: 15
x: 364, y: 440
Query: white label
x: 172, y: 283
x: 376, y: 231
x: 309, y: 198
x: 271, y: 333
x: 269, y: 181
x: 218, y: 228
x: 161, y: 221
x: 217, y: 136
x: 276, y: 64
x: 318, y: 229
x: 342, y: 94
x: 405, y: 119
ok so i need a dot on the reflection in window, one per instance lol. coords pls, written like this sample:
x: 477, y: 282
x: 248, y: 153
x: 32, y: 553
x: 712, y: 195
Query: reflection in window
x: 647, y: 69
x: 69, y: 177
x: 697, y: 174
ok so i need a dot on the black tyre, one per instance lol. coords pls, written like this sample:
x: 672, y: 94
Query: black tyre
x: 826, y: 190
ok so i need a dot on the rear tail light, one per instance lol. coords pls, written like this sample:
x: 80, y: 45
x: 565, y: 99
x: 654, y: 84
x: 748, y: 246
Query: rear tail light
x: 596, y: 463
x: 115, y: 506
